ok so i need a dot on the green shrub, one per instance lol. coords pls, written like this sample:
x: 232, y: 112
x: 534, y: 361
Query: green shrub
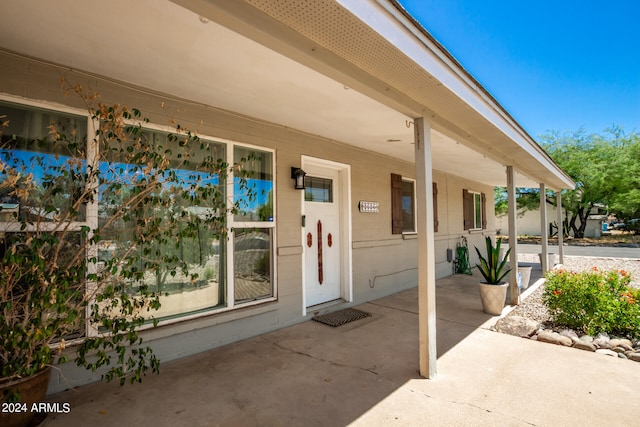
x: 594, y: 301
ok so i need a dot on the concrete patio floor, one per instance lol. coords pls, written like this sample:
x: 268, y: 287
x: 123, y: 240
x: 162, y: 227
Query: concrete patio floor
x: 365, y: 374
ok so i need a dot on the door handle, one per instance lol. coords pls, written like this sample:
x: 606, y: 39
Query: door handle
x: 319, y: 239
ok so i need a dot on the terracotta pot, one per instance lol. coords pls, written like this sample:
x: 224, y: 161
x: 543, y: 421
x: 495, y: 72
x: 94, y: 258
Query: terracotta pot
x: 32, y: 389
x: 493, y: 297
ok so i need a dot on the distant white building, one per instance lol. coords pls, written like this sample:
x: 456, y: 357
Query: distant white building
x: 529, y: 223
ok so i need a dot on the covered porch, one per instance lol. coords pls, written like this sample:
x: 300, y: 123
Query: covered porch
x: 364, y: 373
x: 358, y: 74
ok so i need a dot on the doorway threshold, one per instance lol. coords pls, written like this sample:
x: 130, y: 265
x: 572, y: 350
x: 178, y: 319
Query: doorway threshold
x: 325, y: 307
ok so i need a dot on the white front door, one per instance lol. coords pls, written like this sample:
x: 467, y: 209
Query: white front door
x: 322, y: 235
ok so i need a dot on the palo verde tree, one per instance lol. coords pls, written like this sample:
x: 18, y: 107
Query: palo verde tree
x: 600, y: 166
x: 625, y: 176
x: 606, y: 170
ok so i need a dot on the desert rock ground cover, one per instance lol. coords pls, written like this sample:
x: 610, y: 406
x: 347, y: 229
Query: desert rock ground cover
x: 531, y: 319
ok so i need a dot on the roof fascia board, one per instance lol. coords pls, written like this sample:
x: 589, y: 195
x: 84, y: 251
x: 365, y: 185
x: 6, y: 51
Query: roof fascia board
x: 412, y: 42
x: 415, y: 42
x: 249, y: 21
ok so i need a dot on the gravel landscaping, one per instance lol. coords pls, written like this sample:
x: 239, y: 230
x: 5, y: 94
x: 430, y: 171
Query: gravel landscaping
x: 531, y: 320
x: 532, y: 307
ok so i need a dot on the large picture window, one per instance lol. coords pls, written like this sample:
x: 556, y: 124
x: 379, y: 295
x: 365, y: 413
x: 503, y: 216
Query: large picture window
x: 201, y: 251
x: 242, y: 263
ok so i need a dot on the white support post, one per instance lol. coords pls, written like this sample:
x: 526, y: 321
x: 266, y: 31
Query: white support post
x: 426, y: 255
x: 544, y: 232
x: 560, y: 228
x: 514, y: 291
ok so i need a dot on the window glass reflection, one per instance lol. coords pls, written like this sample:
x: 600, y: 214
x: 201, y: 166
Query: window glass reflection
x: 477, y: 201
x: 43, y: 149
x: 408, y: 207
x: 318, y: 189
x: 252, y: 264
x: 254, y: 197
x: 179, y: 198
x: 48, y: 148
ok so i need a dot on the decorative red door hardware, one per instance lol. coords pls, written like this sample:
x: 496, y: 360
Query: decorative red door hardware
x: 320, y: 275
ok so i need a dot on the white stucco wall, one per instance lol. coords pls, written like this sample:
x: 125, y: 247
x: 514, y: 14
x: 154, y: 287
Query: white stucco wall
x: 528, y: 223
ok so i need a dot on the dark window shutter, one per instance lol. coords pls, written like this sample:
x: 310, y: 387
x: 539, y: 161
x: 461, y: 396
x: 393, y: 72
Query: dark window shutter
x: 484, y: 211
x: 396, y: 204
x: 435, y: 207
x: 467, y: 208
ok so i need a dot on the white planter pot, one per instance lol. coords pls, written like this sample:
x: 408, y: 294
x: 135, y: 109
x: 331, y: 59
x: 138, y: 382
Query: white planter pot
x: 525, y: 274
x: 493, y: 297
x: 551, y: 258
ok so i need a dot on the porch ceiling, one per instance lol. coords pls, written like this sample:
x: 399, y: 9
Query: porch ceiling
x: 308, y: 72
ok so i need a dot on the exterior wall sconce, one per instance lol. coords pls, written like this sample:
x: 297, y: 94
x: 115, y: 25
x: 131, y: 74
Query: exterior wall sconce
x: 298, y: 175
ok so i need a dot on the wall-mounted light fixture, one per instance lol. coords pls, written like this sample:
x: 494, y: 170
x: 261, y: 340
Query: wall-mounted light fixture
x: 298, y: 175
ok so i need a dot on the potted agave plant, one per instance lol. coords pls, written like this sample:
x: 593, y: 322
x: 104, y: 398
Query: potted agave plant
x: 77, y: 277
x: 493, y: 290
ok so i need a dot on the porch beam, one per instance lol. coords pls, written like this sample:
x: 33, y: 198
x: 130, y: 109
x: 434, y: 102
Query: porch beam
x: 514, y: 291
x: 560, y: 227
x: 426, y: 254
x: 544, y: 233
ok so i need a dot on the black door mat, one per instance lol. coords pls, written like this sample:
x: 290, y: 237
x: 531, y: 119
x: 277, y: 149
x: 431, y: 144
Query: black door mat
x: 341, y: 317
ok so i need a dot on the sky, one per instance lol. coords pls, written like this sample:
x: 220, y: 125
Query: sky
x: 554, y: 65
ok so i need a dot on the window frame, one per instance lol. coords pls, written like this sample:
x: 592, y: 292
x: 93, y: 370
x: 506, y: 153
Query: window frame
x: 412, y: 229
x: 310, y: 180
x: 472, y: 201
x: 91, y: 215
x: 233, y: 224
x: 397, y: 217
